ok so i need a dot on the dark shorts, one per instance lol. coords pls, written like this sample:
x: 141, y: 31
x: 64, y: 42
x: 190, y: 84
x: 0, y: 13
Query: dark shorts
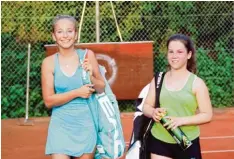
x: 174, y: 151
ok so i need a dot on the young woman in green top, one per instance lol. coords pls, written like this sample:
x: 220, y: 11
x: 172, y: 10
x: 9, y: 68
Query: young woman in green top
x: 181, y: 95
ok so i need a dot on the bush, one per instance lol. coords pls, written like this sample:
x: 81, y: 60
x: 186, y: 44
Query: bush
x: 14, y: 71
x: 217, y: 72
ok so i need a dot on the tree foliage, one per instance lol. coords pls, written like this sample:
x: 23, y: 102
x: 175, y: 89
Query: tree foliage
x: 209, y: 24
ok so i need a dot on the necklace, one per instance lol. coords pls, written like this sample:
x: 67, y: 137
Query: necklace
x: 67, y: 64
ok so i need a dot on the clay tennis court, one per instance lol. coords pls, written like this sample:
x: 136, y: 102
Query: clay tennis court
x: 28, y: 142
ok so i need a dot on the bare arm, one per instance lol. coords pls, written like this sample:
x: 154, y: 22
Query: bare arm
x: 96, y: 77
x: 204, y: 105
x: 149, y: 104
x: 47, y: 80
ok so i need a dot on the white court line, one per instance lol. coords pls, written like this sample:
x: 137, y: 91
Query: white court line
x: 217, y: 151
x: 212, y: 151
x: 207, y: 138
x: 217, y: 137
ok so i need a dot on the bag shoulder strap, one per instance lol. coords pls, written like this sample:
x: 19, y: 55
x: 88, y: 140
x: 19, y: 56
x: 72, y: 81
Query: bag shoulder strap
x: 158, y: 85
x: 82, y: 55
x: 159, y: 76
x: 85, y: 75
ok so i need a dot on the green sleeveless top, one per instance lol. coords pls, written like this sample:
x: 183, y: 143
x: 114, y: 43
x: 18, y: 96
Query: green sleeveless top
x: 178, y: 104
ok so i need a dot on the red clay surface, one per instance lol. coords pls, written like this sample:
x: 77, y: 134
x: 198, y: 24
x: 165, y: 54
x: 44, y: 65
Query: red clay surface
x: 28, y: 142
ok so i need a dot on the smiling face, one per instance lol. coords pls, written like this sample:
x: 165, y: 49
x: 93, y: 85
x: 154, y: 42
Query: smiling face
x: 177, y: 55
x: 64, y: 33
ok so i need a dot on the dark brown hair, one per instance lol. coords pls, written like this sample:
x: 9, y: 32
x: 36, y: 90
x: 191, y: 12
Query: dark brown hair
x: 191, y: 64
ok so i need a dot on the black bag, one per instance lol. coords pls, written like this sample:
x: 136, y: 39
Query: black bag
x: 142, y: 125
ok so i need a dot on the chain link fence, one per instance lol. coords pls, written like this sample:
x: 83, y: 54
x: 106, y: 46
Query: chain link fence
x: 209, y: 24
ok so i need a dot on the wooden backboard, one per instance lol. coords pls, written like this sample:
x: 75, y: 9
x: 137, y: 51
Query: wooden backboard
x: 129, y: 65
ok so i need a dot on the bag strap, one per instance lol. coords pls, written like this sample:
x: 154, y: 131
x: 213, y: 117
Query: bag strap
x: 85, y: 75
x: 158, y: 85
x: 83, y: 57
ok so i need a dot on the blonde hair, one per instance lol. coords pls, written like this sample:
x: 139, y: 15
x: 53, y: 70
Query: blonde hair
x: 59, y: 17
